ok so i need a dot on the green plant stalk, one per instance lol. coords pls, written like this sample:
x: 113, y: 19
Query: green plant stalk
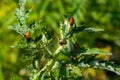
x: 49, y: 64
x: 58, y: 50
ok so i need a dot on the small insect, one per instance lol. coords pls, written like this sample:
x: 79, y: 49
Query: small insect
x: 63, y: 42
x: 71, y: 21
x: 27, y: 35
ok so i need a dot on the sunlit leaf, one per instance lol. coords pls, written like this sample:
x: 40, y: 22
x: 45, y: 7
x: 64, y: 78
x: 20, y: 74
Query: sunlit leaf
x: 101, y: 65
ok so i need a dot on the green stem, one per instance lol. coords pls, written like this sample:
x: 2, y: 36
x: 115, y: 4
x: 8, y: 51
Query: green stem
x: 49, y: 64
x: 58, y: 50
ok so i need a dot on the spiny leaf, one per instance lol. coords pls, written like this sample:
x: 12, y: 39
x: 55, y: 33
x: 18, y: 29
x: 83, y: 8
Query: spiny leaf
x: 101, y: 65
x: 93, y: 29
x: 92, y: 51
x: 20, y: 12
x: 78, y: 29
x: 20, y: 16
x: 20, y: 29
x: 15, y: 28
x: 21, y: 45
x: 22, y: 3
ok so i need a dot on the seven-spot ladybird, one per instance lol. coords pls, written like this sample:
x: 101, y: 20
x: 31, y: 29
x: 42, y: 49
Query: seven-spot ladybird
x: 27, y: 35
x: 63, y: 42
x: 71, y: 21
x: 76, y: 45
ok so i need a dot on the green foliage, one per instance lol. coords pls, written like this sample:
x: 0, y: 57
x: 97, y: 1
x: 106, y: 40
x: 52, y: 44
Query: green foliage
x: 21, y: 15
x: 84, y: 51
x: 101, y: 65
x: 66, y: 60
x: 1, y: 75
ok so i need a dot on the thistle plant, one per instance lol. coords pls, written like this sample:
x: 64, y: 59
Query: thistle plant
x: 64, y: 62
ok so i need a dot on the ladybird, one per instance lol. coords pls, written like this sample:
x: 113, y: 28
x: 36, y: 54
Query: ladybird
x: 27, y: 35
x: 71, y: 21
x: 76, y: 45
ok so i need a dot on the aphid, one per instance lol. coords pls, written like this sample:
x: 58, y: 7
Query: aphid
x: 27, y: 35
x: 71, y: 21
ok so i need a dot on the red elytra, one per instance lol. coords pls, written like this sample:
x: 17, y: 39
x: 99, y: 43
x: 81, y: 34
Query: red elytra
x: 27, y: 35
x: 71, y: 21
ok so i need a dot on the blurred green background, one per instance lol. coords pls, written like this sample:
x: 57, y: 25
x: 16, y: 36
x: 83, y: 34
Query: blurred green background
x: 91, y: 13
